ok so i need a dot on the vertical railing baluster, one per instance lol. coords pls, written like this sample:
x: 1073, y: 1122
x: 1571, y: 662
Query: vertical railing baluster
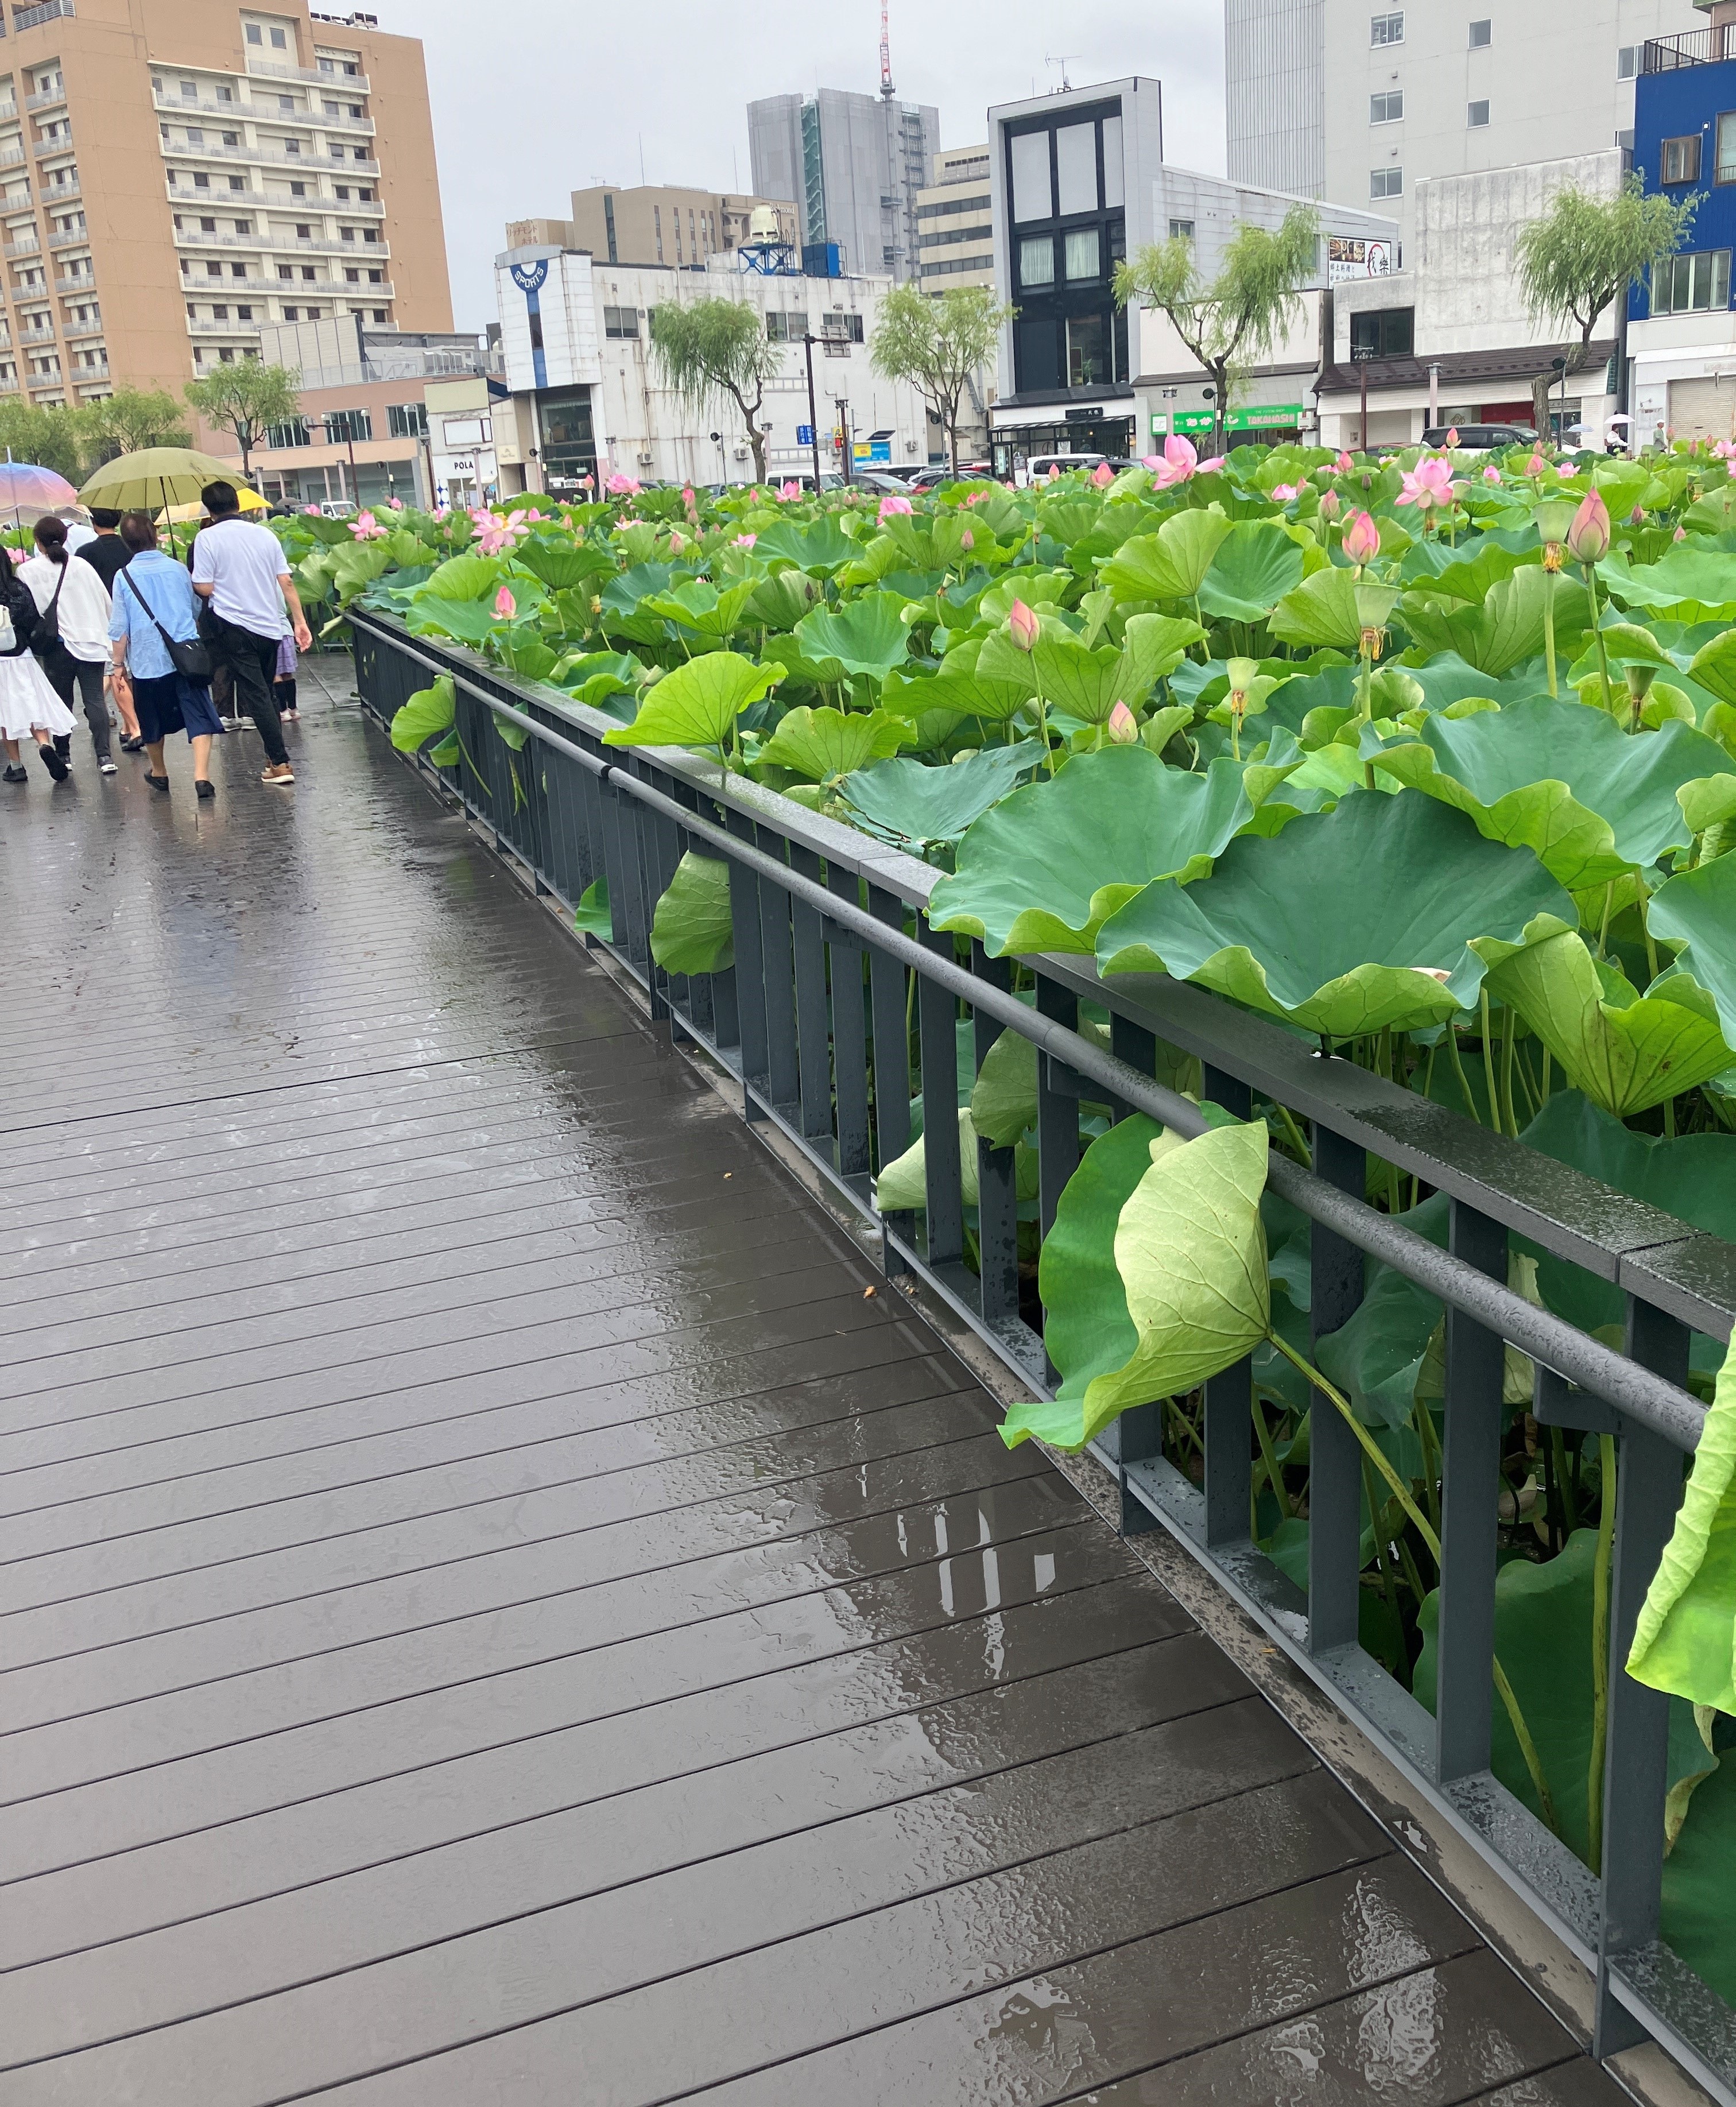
x: 813, y: 1012
x: 937, y: 1014
x: 782, y: 1075
x: 887, y: 995
x: 1227, y: 1411
x: 1470, y: 1489
x: 850, y: 1039
x: 1057, y: 1111
x: 749, y: 970
x: 1334, y: 1454
x: 997, y: 1178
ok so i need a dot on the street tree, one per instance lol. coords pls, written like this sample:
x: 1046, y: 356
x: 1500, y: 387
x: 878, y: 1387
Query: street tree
x: 936, y: 343
x: 1233, y: 320
x: 709, y: 348
x: 247, y: 397
x: 133, y: 418
x: 1586, y: 251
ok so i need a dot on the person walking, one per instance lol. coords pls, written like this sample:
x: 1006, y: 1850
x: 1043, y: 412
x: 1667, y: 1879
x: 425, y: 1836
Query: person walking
x: 243, y: 574
x: 30, y: 708
x: 155, y: 603
x: 106, y: 554
x: 72, y: 631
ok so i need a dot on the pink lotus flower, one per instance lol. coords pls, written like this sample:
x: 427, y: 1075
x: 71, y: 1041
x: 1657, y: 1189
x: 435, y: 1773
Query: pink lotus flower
x: 1361, y: 539
x: 1330, y: 506
x: 1492, y: 474
x: 1212, y: 467
x: 1589, y: 536
x: 365, y: 528
x: 677, y: 542
x: 441, y: 513
x: 1181, y: 461
x: 312, y: 511
x: 744, y: 541
x: 1283, y: 492
x: 1024, y: 625
x: 1345, y: 462
x: 1121, y: 727
x: 890, y: 505
x: 967, y: 540
x: 1636, y: 518
x: 1681, y: 535
x: 1535, y: 466
x: 789, y: 491
x: 1725, y: 449
x: 18, y: 555
x: 1429, y: 484
x: 1102, y: 475
x: 587, y: 483
x: 1452, y: 435
x: 977, y: 497
x: 622, y: 486
x: 506, y: 607
x: 1054, y: 474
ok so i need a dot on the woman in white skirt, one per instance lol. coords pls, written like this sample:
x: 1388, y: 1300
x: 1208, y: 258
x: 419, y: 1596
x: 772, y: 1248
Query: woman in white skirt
x: 30, y: 708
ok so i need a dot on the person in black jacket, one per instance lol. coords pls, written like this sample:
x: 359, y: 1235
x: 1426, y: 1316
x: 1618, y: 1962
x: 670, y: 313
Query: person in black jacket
x: 30, y: 708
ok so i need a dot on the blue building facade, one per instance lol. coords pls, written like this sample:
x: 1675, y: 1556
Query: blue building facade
x: 1684, y: 145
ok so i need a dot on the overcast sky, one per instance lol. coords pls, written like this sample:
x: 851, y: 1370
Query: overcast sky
x: 559, y: 97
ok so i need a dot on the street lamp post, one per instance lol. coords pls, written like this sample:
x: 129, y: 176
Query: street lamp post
x: 1360, y: 354
x: 814, y: 422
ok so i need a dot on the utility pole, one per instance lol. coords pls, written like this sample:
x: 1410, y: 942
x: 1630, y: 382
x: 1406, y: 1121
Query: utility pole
x: 813, y: 420
x: 848, y: 452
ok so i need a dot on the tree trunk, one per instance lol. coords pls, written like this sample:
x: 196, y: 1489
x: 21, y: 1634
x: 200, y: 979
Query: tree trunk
x: 1221, y: 408
x: 1539, y: 388
x: 756, y: 440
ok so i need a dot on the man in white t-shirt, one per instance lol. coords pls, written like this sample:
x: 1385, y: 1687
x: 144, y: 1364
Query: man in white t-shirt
x: 241, y: 570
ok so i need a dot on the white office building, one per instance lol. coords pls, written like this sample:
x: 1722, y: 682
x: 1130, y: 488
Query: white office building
x: 588, y: 398
x: 1350, y: 98
x: 853, y: 165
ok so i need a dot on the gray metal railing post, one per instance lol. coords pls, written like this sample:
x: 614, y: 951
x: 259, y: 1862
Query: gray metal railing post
x: 1334, y: 1455
x: 937, y: 1013
x: 892, y: 1129
x: 996, y: 1181
x: 849, y: 1040
x: 1229, y: 1402
x: 1057, y: 1111
x: 749, y: 970
x: 813, y: 1011
x: 1470, y: 1488
x: 782, y: 1078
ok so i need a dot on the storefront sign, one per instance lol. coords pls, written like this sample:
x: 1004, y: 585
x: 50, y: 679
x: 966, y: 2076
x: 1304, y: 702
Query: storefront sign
x: 1257, y: 417
x: 1347, y: 258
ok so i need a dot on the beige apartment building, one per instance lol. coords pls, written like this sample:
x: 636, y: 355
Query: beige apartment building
x: 653, y: 224
x: 175, y: 174
x: 955, y: 229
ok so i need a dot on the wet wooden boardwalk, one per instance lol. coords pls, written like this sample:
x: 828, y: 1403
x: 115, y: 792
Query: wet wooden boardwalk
x: 492, y: 1611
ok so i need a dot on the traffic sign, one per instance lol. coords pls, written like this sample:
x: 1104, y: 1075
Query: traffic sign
x: 804, y: 435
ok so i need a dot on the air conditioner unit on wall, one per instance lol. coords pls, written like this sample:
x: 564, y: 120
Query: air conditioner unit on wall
x: 645, y: 461
x: 741, y: 453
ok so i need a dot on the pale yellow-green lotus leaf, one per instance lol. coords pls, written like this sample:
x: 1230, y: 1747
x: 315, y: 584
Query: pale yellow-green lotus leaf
x: 1685, y: 1640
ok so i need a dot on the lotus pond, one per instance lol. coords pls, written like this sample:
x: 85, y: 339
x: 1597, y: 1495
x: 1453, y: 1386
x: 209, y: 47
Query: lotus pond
x: 1432, y: 761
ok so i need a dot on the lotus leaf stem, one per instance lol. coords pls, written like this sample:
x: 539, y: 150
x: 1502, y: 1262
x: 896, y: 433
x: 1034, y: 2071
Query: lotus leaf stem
x: 1274, y: 1476
x: 1549, y: 630
x: 1294, y: 1132
x: 1465, y: 1080
x: 1488, y: 1061
x: 1389, y: 1586
x: 1600, y: 1571
x: 1603, y: 933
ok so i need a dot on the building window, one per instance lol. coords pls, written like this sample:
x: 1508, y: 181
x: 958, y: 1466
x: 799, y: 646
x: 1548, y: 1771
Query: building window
x: 380, y: 314
x: 353, y: 277
x: 1076, y: 169
x: 1387, y: 108
x: 1681, y: 159
x: 406, y: 421
x: 1480, y: 35
x: 1724, y: 163
x: 1037, y: 261
x: 1032, y: 192
x: 1383, y: 332
x: 238, y: 182
x: 841, y: 328
x: 1693, y: 284
x: 343, y: 427
x: 1628, y: 61
x: 286, y: 270
x: 1386, y: 29
x: 1388, y: 182
x: 1084, y: 253
x: 1476, y: 115
x: 1087, y: 365
x: 253, y: 33
x: 292, y: 314
x: 243, y: 314
x: 621, y: 321
x: 657, y: 216
x: 279, y: 42
x: 1181, y: 230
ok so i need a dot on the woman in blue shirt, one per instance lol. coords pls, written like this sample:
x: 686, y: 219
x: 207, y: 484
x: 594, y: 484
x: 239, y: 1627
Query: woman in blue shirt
x: 154, y: 595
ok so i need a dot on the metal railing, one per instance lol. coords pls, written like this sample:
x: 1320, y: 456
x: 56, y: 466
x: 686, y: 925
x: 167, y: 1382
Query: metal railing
x: 48, y: 11
x: 833, y: 957
x: 1692, y: 47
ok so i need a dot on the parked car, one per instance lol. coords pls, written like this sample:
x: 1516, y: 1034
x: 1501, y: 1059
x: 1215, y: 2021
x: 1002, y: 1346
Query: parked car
x: 877, y: 478
x: 338, y: 508
x: 1481, y: 438
x: 1037, y: 468
x: 938, y: 474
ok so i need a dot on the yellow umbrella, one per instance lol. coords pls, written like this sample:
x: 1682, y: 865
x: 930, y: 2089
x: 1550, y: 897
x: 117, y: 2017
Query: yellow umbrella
x: 250, y: 501
x: 154, y: 477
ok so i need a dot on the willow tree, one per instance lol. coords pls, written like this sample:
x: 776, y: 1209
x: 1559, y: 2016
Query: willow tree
x: 709, y: 348
x: 1234, y: 320
x: 1586, y: 251
x: 935, y: 343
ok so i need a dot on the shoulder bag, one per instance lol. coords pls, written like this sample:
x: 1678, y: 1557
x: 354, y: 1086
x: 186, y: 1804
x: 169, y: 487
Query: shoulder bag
x: 47, y: 640
x: 191, y: 658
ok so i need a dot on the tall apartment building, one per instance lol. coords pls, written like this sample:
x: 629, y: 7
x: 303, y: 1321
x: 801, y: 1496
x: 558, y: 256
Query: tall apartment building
x: 853, y: 165
x: 176, y: 173
x: 652, y: 224
x: 1351, y: 99
x: 955, y: 222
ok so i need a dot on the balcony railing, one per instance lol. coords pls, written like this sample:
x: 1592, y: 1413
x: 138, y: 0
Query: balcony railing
x: 72, y: 331
x: 100, y: 371
x: 326, y: 120
x: 20, y: 248
x: 54, y: 194
x: 222, y: 329
x: 45, y: 98
x: 1692, y: 47
x: 355, y: 82
x: 28, y: 18
x: 75, y: 285
x: 27, y: 336
x: 68, y: 237
x: 215, y: 150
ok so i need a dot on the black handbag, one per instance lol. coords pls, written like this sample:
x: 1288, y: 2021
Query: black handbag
x: 47, y: 639
x: 191, y: 658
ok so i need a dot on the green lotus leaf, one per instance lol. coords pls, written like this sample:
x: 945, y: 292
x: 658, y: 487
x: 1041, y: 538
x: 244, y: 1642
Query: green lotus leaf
x: 692, y: 931
x: 1256, y: 564
x: 1036, y: 588
x: 1189, y: 1250
x: 1507, y: 629
x: 1170, y: 564
x: 866, y: 635
x: 819, y: 546
x: 697, y: 704
x: 1713, y: 666
x: 964, y: 694
x: 1565, y: 781
x: 696, y: 604
x: 999, y: 660
x: 1687, y: 584
x: 824, y: 744
x: 1153, y: 645
x: 561, y: 565
x: 1081, y: 682
x: 904, y: 1183
x: 466, y: 577
x: 1327, y: 925
x: 1003, y: 1097
x: 465, y: 621
x: 1696, y: 909
x: 1625, y: 1050
x: 419, y: 716
x: 1321, y: 610
x: 448, y: 753
x: 593, y: 914
x: 1467, y: 578
x: 915, y: 807
x: 623, y: 593
x: 1043, y: 871
x: 1698, y: 1872
x: 1685, y: 1639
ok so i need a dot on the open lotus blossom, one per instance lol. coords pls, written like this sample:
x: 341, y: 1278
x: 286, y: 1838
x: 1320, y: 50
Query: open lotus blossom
x: 890, y: 504
x: 395, y: 504
x: 1024, y: 625
x: 312, y: 511
x: 365, y: 528
x: 789, y: 491
x: 504, y: 606
x: 1361, y: 539
x: 744, y: 541
x: 1181, y: 461
x: 441, y: 513
x: 1588, y: 537
x: 1283, y: 492
x: 1492, y: 474
x: 1121, y: 727
x: 1102, y: 475
x: 1725, y: 449
x: 18, y: 555
x: 1429, y: 484
x: 622, y: 486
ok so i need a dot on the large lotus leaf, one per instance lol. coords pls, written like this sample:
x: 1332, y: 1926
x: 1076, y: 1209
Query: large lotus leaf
x: 1255, y: 565
x: 1384, y: 912
x: 780, y: 601
x: 1507, y: 629
x: 561, y: 565
x: 1170, y: 564
x: 1087, y: 684
x: 1700, y: 1875
x: 623, y: 593
x: 1446, y: 679
x: 1043, y: 871
x: 593, y: 915
x: 999, y: 660
x: 1468, y: 577
x: 1698, y: 910
x: 696, y: 604
x: 1003, y: 1097
x: 420, y: 715
x: 1625, y: 1050
x: 466, y: 577
x: 1190, y: 1253
x: 906, y: 802
x: 819, y: 546
x: 966, y: 694
x: 692, y: 932
x: 904, y: 1183
x: 1035, y: 588
x: 465, y: 621
x: 1713, y: 666
x: 697, y: 704
x: 1689, y: 584
x: 1563, y: 780
x: 866, y: 635
x: 1153, y: 645
x: 1685, y: 1639
x: 825, y: 745
x: 1321, y: 610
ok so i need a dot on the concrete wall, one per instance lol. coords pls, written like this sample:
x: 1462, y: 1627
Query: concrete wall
x: 1274, y: 85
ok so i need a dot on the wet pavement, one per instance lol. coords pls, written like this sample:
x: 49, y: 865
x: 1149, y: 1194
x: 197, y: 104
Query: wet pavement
x: 493, y: 1609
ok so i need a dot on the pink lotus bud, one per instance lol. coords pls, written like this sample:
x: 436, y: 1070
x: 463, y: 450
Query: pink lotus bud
x: 1102, y: 475
x: 676, y: 543
x: 1681, y: 534
x: 1024, y: 625
x: 1535, y: 466
x: 967, y: 540
x: 1122, y: 727
x: 1492, y: 474
x: 1345, y: 462
x: 1636, y: 518
x: 1452, y: 435
x: 1361, y: 539
x: 504, y: 606
x: 1330, y: 506
x: 1588, y: 538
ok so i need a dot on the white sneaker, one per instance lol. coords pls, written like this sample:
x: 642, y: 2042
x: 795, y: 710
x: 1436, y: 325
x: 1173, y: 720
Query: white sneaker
x: 105, y: 766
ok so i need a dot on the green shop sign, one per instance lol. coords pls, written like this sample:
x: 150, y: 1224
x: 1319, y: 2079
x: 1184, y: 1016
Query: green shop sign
x: 1258, y: 417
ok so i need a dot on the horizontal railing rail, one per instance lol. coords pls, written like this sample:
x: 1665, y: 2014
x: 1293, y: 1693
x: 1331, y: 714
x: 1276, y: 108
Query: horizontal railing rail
x: 814, y: 1021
